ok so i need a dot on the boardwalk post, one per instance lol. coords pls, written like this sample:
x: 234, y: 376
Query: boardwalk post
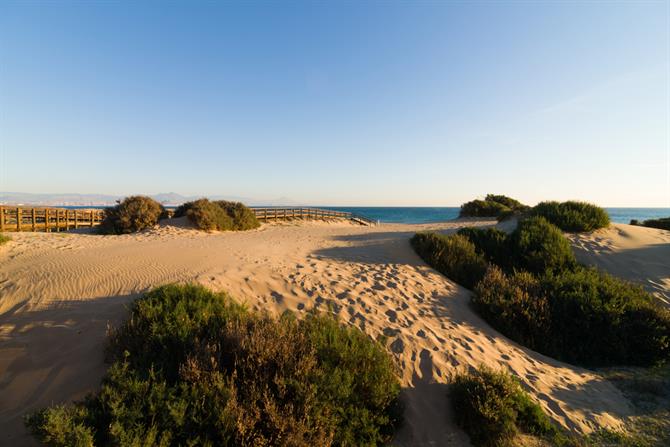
x: 46, y: 220
x: 34, y: 219
x: 18, y: 219
x: 76, y: 221
x: 91, y: 218
x: 2, y: 218
x: 67, y: 220
x: 57, y: 220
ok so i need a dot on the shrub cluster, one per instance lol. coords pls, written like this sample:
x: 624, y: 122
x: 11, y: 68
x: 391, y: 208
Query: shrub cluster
x: 572, y: 216
x: 662, y: 223
x: 492, y: 206
x: 492, y: 408
x: 535, y: 293
x: 4, y: 239
x: 192, y: 367
x: 132, y: 214
x: 454, y: 256
x: 219, y: 215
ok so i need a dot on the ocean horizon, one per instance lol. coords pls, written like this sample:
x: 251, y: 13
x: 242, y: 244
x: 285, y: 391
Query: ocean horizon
x: 425, y: 214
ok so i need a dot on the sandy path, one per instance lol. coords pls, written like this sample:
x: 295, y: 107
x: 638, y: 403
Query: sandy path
x: 638, y: 254
x: 59, y: 293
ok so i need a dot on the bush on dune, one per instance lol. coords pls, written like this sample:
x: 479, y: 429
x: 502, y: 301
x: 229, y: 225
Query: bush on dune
x: 662, y: 223
x: 220, y: 215
x: 130, y: 215
x: 208, y: 216
x: 4, y: 239
x: 490, y: 242
x: 192, y: 367
x: 538, y: 246
x: 454, y: 256
x: 242, y: 216
x: 580, y: 316
x: 492, y: 408
x: 492, y: 206
x: 572, y: 216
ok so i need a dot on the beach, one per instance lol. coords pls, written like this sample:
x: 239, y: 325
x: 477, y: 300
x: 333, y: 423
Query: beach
x: 62, y: 291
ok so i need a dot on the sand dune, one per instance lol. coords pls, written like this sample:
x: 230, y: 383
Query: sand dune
x: 60, y: 292
x: 638, y: 254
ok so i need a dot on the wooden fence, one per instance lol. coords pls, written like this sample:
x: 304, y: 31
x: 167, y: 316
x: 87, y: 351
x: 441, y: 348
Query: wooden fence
x: 47, y: 219
x: 273, y: 214
x: 13, y: 218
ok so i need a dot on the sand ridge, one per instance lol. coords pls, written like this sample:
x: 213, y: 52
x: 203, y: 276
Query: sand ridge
x: 59, y: 293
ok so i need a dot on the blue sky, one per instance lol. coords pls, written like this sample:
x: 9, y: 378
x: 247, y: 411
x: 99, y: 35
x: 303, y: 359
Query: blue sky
x: 338, y: 103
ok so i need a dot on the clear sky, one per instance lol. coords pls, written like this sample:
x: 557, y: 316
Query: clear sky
x: 338, y: 103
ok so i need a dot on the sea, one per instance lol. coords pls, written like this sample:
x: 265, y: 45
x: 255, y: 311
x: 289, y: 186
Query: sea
x: 417, y: 215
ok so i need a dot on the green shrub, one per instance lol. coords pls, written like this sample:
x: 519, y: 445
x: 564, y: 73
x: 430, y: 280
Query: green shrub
x: 582, y: 316
x: 491, y: 243
x: 482, y: 208
x: 182, y: 210
x: 600, y: 320
x: 509, y: 202
x: 492, y: 408
x: 209, y: 216
x: 243, y: 217
x: 61, y: 426
x: 634, y: 222
x: 132, y: 214
x: 492, y: 206
x: 4, y: 239
x: 573, y: 216
x: 192, y: 367
x: 516, y: 306
x: 662, y: 223
x: 538, y: 246
x: 454, y: 256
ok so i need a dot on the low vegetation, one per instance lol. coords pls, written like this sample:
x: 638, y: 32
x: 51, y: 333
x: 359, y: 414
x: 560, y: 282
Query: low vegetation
x: 529, y: 286
x: 4, y: 239
x: 492, y: 206
x: 193, y: 367
x: 220, y: 215
x: 662, y: 223
x: 572, y: 216
x: 492, y: 408
x: 454, y: 256
x: 132, y: 214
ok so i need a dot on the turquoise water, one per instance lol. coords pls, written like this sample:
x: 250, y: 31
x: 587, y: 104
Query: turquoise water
x: 440, y: 214
x: 414, y: 215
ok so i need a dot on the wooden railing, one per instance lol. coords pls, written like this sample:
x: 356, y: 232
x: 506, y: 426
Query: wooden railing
x: 18, y: 218
x: 277, y: 213
x: 13, y: 218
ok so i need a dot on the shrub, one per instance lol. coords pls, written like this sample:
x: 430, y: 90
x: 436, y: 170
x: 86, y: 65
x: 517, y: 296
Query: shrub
x: 601, y: 320
x: 662, y: 223
x: 182, y: 210
x: 492, y: 206
x: 573, y: 216
x: 133, y: 214
x: 538, y: 246
x: 509, y: 202
x: 582, y: 316
x: 516, y: 306
x: 634, y: 222
x: 4, y: 239
x: 242, y: 216
x: 492, y: 408
x: 482, y: 208
x: 454, y: 256
x: 491, y: 243
x: 209, y: 216
x: 192, y: 367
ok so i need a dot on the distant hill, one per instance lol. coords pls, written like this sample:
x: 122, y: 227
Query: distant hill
x: 169, y: 198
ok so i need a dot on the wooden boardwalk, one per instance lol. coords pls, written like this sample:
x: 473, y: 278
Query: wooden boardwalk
x: 19, y: 218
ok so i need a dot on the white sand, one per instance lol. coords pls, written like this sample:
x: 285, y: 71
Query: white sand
x: 638, y: 254
x: 59, y: 293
